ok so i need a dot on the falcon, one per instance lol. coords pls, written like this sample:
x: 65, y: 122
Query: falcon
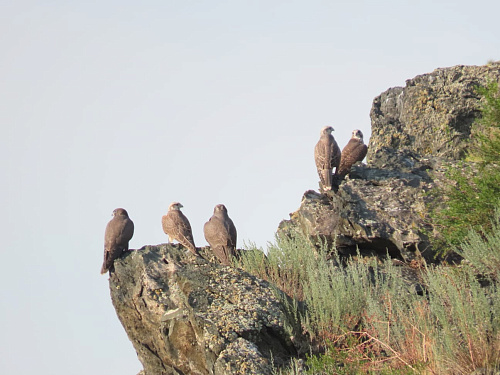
x: 220, y: 233
x: 176, y: 226
x: 327, y: 157
x: 119, y: 231
x: 354, y: 151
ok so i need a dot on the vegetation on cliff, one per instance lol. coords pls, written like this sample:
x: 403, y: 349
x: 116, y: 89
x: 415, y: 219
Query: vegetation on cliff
x: 473, y: 195
x: 363, y: 315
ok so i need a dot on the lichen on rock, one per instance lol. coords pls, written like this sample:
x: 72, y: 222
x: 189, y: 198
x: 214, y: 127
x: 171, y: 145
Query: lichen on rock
x: 185, y: 315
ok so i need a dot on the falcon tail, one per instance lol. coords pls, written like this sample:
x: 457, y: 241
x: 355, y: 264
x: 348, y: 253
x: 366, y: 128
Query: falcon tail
x: 108, y: 264
x: 193, y: 249
x: 326, y: 179
x: 223, y: 253
x: 105, y: 266
x: 103, y: 269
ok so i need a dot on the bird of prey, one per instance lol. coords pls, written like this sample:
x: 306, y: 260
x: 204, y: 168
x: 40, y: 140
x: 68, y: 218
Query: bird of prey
x: 119, y: 231
x: 354, y: 151
x: 327, y: 157
x: 220, y: 233
x: 176, y: 226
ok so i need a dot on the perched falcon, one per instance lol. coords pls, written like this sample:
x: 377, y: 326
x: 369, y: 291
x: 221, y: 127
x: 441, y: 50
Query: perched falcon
x: 327, y: 157
x: 119, y: 231
x: 354, y: 151
x: 220, y: 233
x: 176, y: 226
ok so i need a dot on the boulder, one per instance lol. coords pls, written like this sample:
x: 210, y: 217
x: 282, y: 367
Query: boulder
x: 187, y: 315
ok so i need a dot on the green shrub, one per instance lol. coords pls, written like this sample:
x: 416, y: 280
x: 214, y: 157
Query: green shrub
x: 486, y: 129
x: 469, y: 204
x: 474, y: 191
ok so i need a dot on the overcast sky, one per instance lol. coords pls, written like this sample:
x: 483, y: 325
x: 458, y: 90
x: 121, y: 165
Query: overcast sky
x: 138, y: 104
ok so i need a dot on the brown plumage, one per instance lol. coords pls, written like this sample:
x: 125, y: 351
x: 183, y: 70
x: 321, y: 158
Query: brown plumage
x: 119, y: 231
x: 220, y: 233
x: 327, y: 157
x: 176, y: 226
x: 354, y: 151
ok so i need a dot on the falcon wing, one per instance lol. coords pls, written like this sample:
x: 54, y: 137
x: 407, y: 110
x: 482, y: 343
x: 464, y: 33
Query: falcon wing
x: 217, y: 235
x: 116, y: 238
x: 177, y: 226
x: 354, y: 151
x: 185, y: 232
x: 327, y: 156
x: 232, y: 233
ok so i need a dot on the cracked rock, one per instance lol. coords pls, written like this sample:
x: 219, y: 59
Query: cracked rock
x: 204, y: 318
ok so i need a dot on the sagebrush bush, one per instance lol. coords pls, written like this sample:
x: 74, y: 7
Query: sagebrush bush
x: 482, y: 251
x: 362, y: 315
x: 466, y: 334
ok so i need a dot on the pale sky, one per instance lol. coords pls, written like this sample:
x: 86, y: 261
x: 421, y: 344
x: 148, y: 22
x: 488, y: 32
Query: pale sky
x: 138, y: 104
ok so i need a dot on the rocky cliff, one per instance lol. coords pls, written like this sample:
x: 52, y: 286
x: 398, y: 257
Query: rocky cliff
x: 417, y: 131
x: 187, y: 315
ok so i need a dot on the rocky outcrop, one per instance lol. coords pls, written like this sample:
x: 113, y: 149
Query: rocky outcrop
x: 191, y: 315
x: 377, y: 210
x: 186, y: 315
x: 417, y: 131
x: 432, y: 115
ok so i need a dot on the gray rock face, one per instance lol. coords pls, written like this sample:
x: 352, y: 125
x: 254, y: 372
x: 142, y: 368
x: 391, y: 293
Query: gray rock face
x: 416, y: 131
x: 433, y: 114
x: 185, y: 315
